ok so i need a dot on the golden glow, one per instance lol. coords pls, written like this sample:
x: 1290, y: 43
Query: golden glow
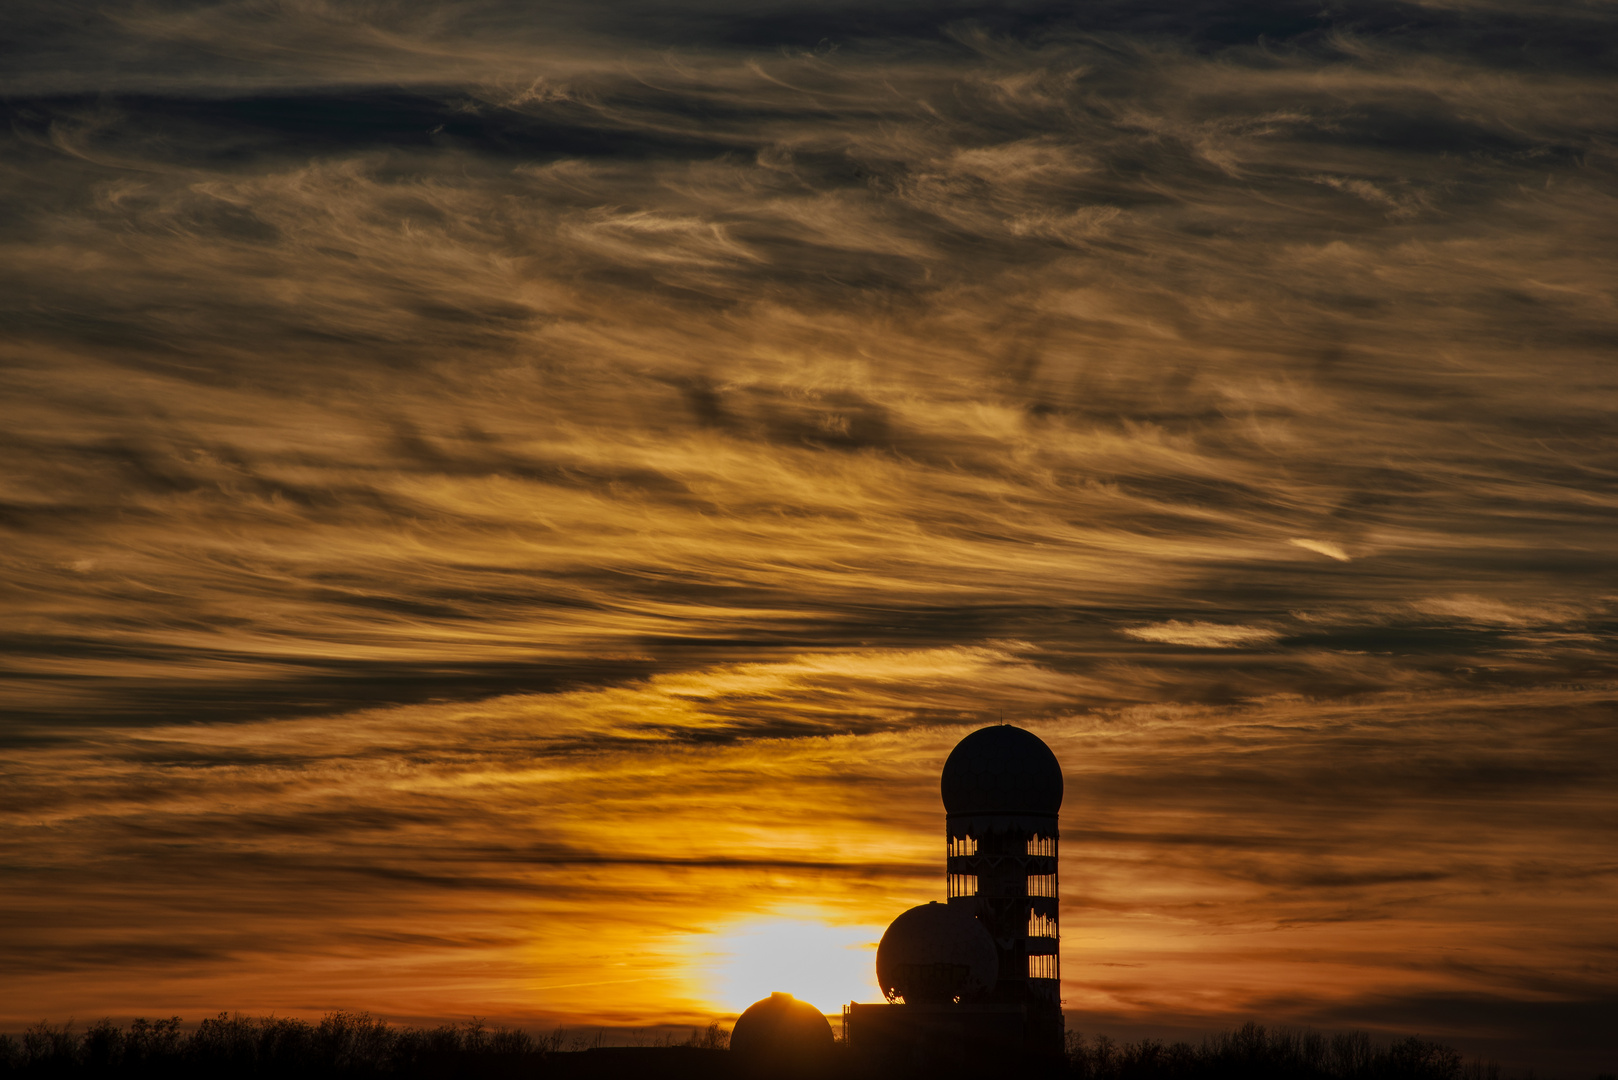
x: 825, y: 964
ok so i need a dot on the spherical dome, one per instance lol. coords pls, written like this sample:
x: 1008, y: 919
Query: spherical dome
x: 1002, y: 770
x: 935, y: 953
x: 782, y: 1033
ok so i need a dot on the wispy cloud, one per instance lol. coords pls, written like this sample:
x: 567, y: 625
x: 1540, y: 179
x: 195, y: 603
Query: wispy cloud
x: 456, y: 457
x: 1321, y: 547
x: 1203, y: 635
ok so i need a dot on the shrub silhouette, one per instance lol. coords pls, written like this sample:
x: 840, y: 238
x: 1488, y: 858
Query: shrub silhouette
x: 1255, y: 1053
x: 341, y: 1045
x: 350, y: 1046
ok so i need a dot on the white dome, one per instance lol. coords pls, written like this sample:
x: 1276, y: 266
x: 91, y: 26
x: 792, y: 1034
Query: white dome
x: 782, y: 1033
x: 935, y: 953
x: 1001, y: 770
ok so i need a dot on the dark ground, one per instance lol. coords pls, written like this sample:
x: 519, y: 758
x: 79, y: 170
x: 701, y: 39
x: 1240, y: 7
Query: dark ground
x: 353, y: 1046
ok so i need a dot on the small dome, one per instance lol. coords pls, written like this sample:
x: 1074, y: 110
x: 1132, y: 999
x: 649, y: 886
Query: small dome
x: 935, y: 953
x: 1002, y: 770
x: 782, y: 1033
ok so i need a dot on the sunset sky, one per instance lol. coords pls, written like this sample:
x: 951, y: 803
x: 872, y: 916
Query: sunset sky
x: 505, y: 507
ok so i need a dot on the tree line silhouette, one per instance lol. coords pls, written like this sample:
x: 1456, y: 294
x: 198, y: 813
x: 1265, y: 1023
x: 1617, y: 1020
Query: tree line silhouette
x: 1257, y: 1053
x: 351, y: 1046
x: 341, y: 1045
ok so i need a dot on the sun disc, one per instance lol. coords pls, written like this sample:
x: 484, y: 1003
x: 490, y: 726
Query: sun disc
x: 825, y: 964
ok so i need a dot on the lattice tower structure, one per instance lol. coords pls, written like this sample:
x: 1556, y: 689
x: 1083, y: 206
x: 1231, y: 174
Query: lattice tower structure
x: 1002, y: 789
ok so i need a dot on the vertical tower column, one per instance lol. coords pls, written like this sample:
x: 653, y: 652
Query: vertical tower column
x: 1002, y: 790
x: 1003, y: 868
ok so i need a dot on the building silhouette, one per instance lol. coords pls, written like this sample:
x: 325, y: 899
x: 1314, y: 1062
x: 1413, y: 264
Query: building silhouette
x: 1002, y: 790
x: 781, y: 1036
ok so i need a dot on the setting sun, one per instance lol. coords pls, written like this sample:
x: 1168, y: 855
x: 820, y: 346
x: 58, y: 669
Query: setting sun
x: 823, y: 964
